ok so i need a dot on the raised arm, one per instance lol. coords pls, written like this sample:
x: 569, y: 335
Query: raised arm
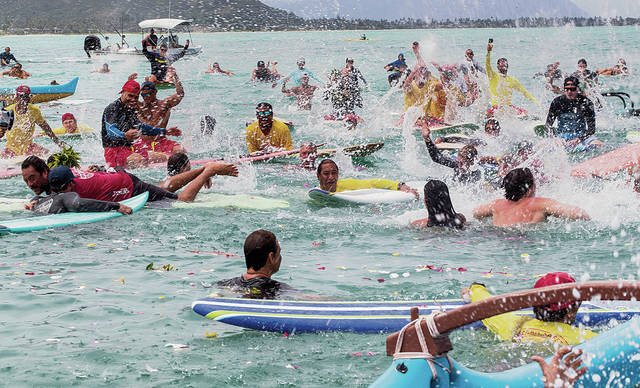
x: 175, y: 99
x: 287, y: 92
x: 435, y: 154
x: 490, y: 72
x: 73, y: 203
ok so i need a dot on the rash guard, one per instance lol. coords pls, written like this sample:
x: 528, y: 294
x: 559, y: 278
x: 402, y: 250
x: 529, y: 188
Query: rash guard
x: 510, y: 326
x: 359, y: 184
x: 576, y: 118
x: 117, y: 119
x: 71, y: 202
x: 502, y: 86
x: 159, y: 62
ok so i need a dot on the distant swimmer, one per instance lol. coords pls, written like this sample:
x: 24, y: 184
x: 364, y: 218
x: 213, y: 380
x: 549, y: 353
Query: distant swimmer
x: 121, y: 127
x: 308, y: 155
x: 303, y: 93
x: 439, y: 207
x: 618, y: 69
x: 464, y: 168
x: 521, y: 206
x: 363, y: 37
x: 552, y: 323
x: 266, y: 134
x: 70, y: 125
x: 16, y: 72
x: 117, y: 185
x: 160, y: 62
x: 215, y: 68
x: 502, y: 86
x: 552, y: 74
x: 328, y: 174
x: 151, y: 39
x: 262, y: 73
x: 576, y: 117
x: 296, y: 75
x: 25, y: 118
x: 397, y: 69
x: 262, y: 258
x: 587, y: 77
x: 6, y: 57
x: 103, y: 70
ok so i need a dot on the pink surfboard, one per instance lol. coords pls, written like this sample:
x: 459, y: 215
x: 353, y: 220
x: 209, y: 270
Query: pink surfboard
x: 605, y: 164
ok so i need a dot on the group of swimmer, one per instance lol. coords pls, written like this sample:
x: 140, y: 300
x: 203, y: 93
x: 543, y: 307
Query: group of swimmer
x: 134, y: 134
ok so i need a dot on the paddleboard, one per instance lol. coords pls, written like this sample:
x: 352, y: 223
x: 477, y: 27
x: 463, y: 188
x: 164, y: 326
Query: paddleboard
x: 362, y: 317
x: 464, y: 128
x: 64, y: 219
x: 239, y: 201
x: 360, y: 40
x: 608, y: 163
x: 12, y: 204
x: 362, y: 196
x: 356, y: 150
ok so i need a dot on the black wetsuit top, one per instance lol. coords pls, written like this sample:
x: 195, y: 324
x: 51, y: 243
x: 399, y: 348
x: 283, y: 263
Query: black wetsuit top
x: 458, y: 174
x: 118, y: 119
x: 263, y: 74
x: 159, y: 63
x: 71, y: 202
x: 576, y: 118
x: 256, y: 288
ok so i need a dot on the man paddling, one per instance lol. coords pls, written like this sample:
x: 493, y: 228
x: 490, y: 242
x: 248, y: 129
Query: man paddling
x: 576, y: 117
x: 6, y: 57
x: 266, y: 134
x: 25, y: 117
x: 262, y: 257
x: 121, y: 126
x: 502, y: 86
x: 328, y: 173
x: 521, y: 206
x: 552, y: 322
x: 116, y: 186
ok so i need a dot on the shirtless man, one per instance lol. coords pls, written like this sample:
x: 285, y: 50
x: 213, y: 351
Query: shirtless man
x: 619, y: 69
x: 521, y: 205
x: 17, y: 72
x: 303, y: 93
x: 156, y: 112
x: 103, y: 70
x: 215, y: 68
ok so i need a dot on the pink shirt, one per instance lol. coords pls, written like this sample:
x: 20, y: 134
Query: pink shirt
x: 103, y: 186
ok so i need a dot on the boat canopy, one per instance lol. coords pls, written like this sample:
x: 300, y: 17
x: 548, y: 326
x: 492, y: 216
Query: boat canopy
x: 168, y: 24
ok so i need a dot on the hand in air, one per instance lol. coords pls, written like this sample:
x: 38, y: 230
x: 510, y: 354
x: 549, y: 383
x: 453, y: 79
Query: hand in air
x: 174, y: 131
x: 133, y: 76
x: 489, y: 47
x: 223, y: 168
x: 562, y: 371
x: 124, y: 209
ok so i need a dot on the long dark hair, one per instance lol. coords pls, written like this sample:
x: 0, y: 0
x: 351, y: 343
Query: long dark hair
x: 439, y: 206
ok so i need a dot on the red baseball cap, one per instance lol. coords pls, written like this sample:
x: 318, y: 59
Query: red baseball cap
x: 552, y: 279
x: 22, y: 90
x: 68, y: 116
x: 131, y: 86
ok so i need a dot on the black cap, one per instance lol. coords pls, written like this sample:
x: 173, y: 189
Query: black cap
x: 260, y: 63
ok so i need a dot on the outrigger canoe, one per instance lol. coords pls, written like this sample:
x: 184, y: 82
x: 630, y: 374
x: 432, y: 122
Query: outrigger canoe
x: 41, y: 94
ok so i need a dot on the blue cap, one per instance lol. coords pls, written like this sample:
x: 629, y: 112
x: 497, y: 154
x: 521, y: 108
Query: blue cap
x: 59, y: 177
x: 401, y: 55
x: 148, y: 85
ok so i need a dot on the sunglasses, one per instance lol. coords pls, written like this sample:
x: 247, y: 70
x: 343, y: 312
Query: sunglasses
x: 571, y: 88
x: 264, y: 113
x: 145, y: 94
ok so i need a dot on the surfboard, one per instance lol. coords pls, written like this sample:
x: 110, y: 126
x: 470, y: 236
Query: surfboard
x: 64, y: 219
x: 239, y: 201
x: 608, y: 163
x: 363, y: 317
x: 362, y: 196
x: 355, y: 150
x: 9, y: 172
x: 464, y: 128
x: 360, y: 40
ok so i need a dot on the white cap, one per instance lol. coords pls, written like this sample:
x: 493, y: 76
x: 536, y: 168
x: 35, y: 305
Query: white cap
x: 301, y: 60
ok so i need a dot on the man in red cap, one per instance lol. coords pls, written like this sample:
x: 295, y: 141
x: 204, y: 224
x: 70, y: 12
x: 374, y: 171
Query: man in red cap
x: 552, y: 322
x: 25, y: 117
x: 121, y: 126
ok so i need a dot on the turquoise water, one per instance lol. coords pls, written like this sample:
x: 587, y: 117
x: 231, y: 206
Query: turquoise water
x: 78, y: 307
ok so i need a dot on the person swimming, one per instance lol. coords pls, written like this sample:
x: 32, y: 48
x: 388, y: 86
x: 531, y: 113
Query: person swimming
x: 439, y: 207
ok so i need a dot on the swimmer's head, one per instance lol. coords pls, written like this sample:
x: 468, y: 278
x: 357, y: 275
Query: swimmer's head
x: 260, y: 64
x: 401, y: 56
x: 300, y: 61
x: 492, y: 127
x: 308, y: 154
x: 503, y: 65
x: 518, y: 183
x: 582, y: 63
x: 328, y: 173
x: 439, y: 206
x: 178, y: 163
x: 261, y: 249
x: 556, y: 312
x: 467, y: 156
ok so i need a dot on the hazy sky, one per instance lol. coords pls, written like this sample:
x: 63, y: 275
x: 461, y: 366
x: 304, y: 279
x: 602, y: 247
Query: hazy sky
x: 609, y: 8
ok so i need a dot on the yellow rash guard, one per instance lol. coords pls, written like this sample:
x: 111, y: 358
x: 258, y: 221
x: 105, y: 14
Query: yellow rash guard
x: 513, y: 327
x: 278, y: 137
x: 433, y: 101
x: 357, y: 184
x: 20, y: 137
x: 501, y: 86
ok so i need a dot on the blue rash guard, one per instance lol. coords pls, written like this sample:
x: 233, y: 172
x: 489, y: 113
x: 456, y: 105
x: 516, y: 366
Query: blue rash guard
x: 400, y: 64
x: 296, y: 76
x: 118, y: 119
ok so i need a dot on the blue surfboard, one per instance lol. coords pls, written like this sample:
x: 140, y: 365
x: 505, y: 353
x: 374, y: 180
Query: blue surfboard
x: 363, y: 317
x: 64, y: 219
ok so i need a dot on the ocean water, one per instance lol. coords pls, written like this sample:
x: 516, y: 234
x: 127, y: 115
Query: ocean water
x: 77, y: 306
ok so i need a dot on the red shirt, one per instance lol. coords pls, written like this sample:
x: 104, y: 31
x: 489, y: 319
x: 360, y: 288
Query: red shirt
x: 103, y: 186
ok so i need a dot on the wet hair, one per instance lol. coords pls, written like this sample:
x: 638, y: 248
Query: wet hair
x: 542, y: 314
x: 516, y: 183
x: 468, y: 152
x: 176, y: 163
x: 573, y: 80
x: 264, y: 105
x: 257, y: 247
x: 439, y: 206
x: 582, y: 60
x: 496, y: 123
x: 502, y: 60
x: 326, y: 161
x: 164, y: 45
x: 38, y: 164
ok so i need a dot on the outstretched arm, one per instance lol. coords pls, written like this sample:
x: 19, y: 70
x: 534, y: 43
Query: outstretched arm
x: 559, y: 209
x: 49, y: 132
x: 525, y: 92
x: 485, y: 210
